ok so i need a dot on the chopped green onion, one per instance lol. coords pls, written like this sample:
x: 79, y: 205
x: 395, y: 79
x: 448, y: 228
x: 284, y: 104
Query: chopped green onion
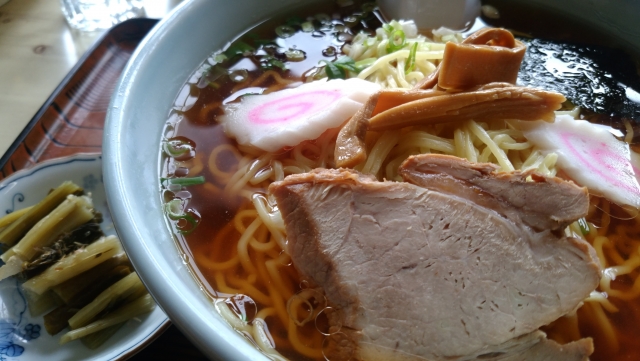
x: 186, y: 181
x: 411, y: 61
x: 346, y: 63
x: 370, y: 41
x: 364, y: 63
x: 295, y: 55
x: 584, y: 226
x: 307, y: 27
x: 388, y: 28
x: 285, y: 31
x: 396, y: 41
x: 239, y: 47
x: 173, y: 209
x: 270, y: 62
x: 333, y: 71
x: 176, y: 147
x: 219, y: 58
x: 238, y: 76
x: 214, y: 73
x: 338, y: 69
x: 190, y: 220
x: 278, y: 63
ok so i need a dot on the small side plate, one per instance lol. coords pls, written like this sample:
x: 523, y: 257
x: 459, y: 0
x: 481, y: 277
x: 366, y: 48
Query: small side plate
x: 23, y: 337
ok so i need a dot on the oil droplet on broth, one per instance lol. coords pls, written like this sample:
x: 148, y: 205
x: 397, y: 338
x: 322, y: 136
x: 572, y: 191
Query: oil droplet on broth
x: 338, y: 344
x: 243, y: 306
x: 329, y: 52
x: 322, y: 322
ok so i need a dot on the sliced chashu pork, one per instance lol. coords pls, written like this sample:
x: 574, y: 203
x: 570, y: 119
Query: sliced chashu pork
x: 544, y: 203
x: 422, y: 274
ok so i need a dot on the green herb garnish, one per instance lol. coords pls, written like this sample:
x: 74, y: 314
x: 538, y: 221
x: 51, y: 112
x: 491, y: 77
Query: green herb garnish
x: 307, y: 27
x: 285, y: 31
x: 174, y: 210
x: 364, y: 63
x: 186, y: 181
x: 176, y: 147
x: 270, y: 62
x: 239, y: 47
x: 219, y: 58
x: 584, y: 226
x: 396, y: 41
x: 411, y: 60
x: 338, y: 69
x: 333, y: 72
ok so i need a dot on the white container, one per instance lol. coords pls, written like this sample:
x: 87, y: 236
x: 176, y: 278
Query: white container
x: 134, y: 127
x: 432, y: 14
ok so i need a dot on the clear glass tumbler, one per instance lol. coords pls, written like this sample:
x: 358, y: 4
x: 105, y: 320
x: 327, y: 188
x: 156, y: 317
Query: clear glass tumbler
x: 92, y: 15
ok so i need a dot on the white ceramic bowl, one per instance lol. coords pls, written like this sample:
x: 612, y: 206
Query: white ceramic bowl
x: 146, y: 91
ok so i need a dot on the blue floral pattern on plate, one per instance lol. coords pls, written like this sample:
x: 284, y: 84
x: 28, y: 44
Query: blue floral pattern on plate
x: 22, y: 337
x: 19, y: 198
x: 12, y: 329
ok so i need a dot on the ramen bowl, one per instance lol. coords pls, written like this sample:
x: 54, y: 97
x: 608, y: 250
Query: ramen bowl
x: 134, y: 128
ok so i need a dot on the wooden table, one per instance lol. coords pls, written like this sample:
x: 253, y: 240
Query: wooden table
x: 37, y: 51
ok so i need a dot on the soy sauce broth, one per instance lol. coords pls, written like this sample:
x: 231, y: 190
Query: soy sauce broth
x: 194, y: 118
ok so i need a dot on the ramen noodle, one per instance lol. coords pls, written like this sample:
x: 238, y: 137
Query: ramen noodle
x: 235, y: 237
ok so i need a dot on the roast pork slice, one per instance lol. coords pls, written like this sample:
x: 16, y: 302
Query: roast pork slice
x: 542, y: 203
x: 548, y: 350
x: 416, y: 273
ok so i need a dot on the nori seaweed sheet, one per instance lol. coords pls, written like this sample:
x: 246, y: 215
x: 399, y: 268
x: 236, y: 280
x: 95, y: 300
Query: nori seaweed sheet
x: 593, y: 77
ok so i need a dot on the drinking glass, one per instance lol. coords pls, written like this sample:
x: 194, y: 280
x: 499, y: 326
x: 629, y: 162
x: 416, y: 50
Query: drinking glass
x: 92, y: 15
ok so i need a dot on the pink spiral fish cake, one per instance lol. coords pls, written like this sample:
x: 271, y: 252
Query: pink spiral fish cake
x: 288, y: 117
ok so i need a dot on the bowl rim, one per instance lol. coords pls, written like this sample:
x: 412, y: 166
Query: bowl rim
x: 196, y: 315
x: 196, y: 324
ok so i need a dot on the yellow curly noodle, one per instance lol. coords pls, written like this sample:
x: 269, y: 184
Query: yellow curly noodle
x: 256, y: 265
x: 614, y: 232
x: 247, y: 256
x: 389, y: 68
x: 495, y: 142
x: 258, y: 228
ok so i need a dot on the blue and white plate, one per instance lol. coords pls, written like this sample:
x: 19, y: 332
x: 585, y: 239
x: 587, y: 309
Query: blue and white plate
x: 22, y: 337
